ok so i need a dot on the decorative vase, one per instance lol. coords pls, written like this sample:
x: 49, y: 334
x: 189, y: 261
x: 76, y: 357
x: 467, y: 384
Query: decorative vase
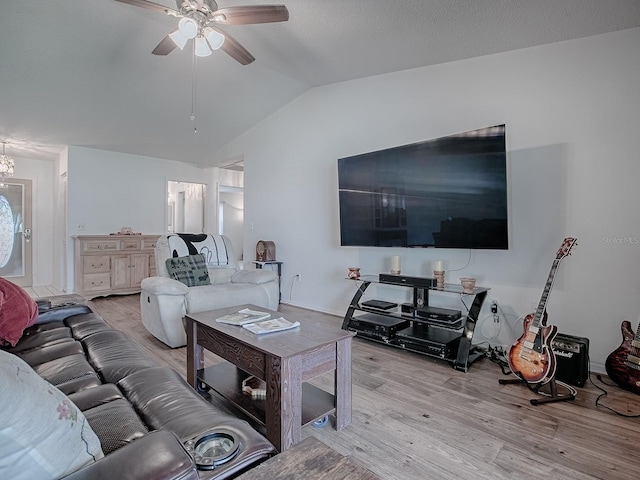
x: 354, y: 273
x: 468, y: 284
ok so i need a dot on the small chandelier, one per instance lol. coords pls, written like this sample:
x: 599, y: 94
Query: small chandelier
x: 6, y: 164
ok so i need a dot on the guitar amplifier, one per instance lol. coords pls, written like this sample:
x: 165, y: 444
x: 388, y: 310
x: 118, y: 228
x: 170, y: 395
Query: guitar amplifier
x: 572, y: 359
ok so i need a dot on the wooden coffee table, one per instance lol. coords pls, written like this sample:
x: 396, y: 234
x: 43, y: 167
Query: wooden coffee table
x: 284, y: 360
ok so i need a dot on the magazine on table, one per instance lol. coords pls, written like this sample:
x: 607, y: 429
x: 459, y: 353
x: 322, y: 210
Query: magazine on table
x: 273, y: 325
x: 242, y: 317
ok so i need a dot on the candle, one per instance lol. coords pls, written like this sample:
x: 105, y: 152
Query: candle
x: 395, y: 264
x: 439, y: 266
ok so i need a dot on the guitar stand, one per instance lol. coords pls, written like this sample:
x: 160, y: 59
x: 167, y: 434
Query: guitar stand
x: 551, y: 397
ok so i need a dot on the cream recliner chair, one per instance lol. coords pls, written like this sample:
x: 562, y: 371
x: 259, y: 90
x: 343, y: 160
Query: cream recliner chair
x: 165, y: 301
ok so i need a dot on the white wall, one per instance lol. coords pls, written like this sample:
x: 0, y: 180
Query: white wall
x: 110, y: 190
x: 572, y: 111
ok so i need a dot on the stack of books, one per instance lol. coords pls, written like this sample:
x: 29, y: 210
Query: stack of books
x: 257, y: 322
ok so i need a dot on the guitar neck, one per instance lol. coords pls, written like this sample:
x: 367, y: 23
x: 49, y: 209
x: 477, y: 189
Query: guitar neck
x: 537, y: 319
x: 636, y: 341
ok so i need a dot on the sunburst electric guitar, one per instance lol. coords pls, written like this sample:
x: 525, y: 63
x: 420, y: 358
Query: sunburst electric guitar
x: 531, y: 357
x: 623, y: 365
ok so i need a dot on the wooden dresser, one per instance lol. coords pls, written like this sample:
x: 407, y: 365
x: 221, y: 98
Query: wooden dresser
x: 112, y: 264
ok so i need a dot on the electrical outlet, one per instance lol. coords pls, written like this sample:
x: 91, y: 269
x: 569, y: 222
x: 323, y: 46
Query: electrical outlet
x: 298, y: 277
x: 81, y: 227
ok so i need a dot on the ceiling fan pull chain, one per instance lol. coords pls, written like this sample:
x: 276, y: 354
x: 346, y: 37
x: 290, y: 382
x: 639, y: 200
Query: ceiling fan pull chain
x: 194, y: 91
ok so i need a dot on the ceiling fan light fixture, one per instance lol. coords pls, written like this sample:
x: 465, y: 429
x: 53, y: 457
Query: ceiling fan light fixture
x: 179, y: 39
x: 202, y: 47
x: 215, y: 39
x: 188, y: 27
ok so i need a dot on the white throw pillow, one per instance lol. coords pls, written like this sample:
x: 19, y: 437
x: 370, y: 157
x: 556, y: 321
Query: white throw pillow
x: 43, y: 435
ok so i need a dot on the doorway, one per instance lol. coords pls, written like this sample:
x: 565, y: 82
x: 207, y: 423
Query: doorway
x: 186, y: 207
x: 231, y: 216
x: 15, y: 231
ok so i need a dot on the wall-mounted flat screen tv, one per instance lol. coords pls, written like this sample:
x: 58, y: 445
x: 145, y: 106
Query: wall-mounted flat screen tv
x: 449, y: 192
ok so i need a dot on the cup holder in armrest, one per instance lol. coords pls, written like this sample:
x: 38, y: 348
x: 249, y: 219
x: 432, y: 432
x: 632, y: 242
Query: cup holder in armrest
x: 212, y: 449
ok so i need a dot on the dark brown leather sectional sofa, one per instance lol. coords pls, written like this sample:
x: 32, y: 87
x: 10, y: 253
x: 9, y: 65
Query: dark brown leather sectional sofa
x: 144, y: 414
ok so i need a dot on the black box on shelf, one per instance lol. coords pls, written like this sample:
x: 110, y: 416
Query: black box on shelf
x: 439, y: 314
x: 442, y: 317
x: 431, y: 340
x: 377, y: 326
x: 379, y: 304
x: 407, y: 309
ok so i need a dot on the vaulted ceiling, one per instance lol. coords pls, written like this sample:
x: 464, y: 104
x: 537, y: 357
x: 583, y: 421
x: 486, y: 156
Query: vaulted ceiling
x: 81, y: 72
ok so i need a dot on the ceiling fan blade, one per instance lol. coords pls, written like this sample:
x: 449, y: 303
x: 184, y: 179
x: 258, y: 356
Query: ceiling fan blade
x: 251, y: 14
x: 236, y: 51
x: 165, y: 47
x: 150, y: 6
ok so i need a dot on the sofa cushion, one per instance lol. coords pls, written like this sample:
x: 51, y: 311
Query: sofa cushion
x: 17, y: 312
x: 46, y: 354
x: 43, y: 435
x: 36, y: 340
x: 86, y: 324
x: 116, y: 424
x: 114, y: 355
x: 190, y: 270
x: 65, y: 369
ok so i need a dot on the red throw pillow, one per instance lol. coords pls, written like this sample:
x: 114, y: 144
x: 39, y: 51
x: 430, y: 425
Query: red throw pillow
x: 17, y: 312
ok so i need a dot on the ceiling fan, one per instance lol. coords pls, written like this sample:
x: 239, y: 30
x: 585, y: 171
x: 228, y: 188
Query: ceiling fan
x: 198, y: 20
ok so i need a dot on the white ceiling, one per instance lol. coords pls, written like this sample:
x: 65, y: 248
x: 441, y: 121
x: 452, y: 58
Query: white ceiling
x: 81, y: 72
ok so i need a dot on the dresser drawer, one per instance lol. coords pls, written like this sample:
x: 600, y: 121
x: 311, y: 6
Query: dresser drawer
x: 96, y: 263
x: 132, y: 244
x: 149, y: 243
x: 101, y: 245
x: 95, y: 282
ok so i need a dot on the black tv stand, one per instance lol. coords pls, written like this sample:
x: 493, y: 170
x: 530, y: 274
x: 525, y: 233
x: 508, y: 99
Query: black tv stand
x: 407, y: 326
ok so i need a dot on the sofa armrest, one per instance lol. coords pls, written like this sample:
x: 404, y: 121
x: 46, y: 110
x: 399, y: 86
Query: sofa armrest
x: 256, y: 276
x: 163, y: 286
x: 157, y: 455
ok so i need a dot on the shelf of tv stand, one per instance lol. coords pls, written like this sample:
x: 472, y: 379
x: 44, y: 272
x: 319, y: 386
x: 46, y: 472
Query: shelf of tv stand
x: 460, y: 335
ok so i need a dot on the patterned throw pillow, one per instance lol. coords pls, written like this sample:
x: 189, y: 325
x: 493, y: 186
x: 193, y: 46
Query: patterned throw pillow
x: 43, y: 435
x: 190, y: 270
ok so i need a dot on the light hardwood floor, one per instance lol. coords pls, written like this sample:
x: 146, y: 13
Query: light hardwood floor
x: 415, y: 417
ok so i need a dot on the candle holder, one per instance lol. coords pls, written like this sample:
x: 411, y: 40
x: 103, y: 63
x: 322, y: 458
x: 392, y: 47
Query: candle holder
x: 354, y: 273
x: 395, y: 265
x: 439, y: 276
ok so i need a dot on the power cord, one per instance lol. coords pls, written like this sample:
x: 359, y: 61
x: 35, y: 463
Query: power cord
x: 604, y: 394
x: 498, y: 356
x: 290, y: 292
